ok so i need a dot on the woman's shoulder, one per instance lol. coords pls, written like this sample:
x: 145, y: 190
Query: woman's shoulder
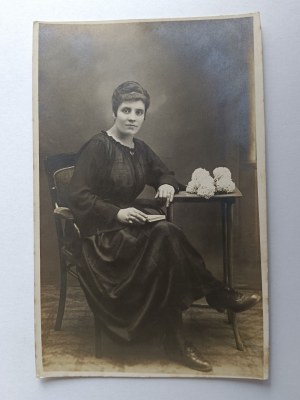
x: 142, y: 145
x: 96, y: 145
x: 99, y: 139
x: 145, y: 148
x: 139, y: 142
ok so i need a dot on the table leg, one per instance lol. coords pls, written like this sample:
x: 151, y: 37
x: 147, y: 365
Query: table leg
x: 227, y: 219
x: 224, y: 207
x: 170, y: 212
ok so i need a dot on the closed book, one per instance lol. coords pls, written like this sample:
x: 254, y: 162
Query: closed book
x: 154, y: 218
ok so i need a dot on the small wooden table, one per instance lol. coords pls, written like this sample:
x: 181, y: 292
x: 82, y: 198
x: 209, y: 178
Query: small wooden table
x: 226, y: 202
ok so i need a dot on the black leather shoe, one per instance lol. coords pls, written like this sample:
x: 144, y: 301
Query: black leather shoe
x: 189, y: 356
x: 194, y: 359
x: 231, y: 299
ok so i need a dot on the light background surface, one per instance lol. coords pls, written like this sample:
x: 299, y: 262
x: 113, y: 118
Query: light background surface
x: 281, y: 37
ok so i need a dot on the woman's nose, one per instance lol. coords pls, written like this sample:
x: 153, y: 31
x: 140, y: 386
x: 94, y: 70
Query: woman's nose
x: 131, y: 116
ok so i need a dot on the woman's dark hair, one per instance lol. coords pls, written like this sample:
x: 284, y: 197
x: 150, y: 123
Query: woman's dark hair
x: 129, y: 91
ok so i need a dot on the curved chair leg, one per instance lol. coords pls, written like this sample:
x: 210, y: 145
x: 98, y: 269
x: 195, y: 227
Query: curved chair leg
x: 232, y: 321
x: 62, y: 295
x: 98, y: 339
x: 238, y: 340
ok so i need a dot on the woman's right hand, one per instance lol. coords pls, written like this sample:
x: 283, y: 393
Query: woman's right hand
x: 131, y: 215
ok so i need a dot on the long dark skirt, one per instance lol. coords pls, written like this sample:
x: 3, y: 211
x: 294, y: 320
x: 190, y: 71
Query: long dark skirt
x: 131, y: 277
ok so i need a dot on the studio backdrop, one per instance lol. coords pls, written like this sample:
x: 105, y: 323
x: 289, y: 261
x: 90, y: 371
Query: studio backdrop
x: 200, y: 77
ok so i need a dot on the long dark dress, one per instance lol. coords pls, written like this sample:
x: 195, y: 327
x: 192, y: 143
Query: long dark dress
x: 131, y: 274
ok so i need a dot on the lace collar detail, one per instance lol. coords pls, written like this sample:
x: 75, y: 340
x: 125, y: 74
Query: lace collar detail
x: 131, y: 150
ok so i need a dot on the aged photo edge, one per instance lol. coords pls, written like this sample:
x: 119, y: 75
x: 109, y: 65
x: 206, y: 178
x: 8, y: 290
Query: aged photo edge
x: 261, y: 181
x: 262, y: 199
x: 36, y: 197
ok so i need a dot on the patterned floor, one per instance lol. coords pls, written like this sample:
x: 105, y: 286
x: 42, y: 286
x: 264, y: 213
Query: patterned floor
x: 72, y: 349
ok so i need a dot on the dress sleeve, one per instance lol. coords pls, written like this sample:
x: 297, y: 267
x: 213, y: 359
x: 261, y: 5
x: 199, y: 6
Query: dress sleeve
x: 159, y: 174
x: 91, y: 212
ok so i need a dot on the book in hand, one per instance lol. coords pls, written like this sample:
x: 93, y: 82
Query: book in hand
x: 156, y: 217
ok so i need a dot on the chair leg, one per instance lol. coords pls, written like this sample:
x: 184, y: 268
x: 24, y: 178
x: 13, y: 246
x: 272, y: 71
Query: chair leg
x: 230, y: 316
x: 62, y: 295
x: 238, y: 340
x: 98, y: 339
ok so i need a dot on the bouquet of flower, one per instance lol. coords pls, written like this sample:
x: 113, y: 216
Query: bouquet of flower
x: 205, y: 186
x: 223, y: 181
x: 202, y: 184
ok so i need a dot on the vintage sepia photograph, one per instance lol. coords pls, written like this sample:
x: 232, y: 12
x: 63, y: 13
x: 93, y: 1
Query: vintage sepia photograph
x: 150, y: 199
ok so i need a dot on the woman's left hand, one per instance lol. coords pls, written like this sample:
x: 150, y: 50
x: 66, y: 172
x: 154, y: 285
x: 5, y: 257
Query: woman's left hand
x: 165, y: 192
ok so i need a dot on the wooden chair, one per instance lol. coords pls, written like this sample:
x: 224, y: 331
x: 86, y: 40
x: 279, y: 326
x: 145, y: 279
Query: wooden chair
x: 59, y: 169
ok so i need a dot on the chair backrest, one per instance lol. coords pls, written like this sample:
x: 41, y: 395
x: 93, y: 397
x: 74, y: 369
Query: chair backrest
x: 62, y: 179
x: 59, y: 169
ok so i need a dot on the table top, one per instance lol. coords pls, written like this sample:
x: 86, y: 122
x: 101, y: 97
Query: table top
x: 183, y: 197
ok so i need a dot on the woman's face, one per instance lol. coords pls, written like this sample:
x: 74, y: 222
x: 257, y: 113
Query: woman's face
x: 130, y: 117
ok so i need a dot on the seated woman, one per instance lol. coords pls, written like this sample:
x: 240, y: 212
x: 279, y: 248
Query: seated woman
x: 136, y: 273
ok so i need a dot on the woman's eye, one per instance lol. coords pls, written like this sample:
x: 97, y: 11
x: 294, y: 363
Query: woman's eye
x: 139, y: 112
x: 126, y: 110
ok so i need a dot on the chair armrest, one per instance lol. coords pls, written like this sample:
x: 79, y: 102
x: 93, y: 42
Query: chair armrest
x: 64, y: 212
